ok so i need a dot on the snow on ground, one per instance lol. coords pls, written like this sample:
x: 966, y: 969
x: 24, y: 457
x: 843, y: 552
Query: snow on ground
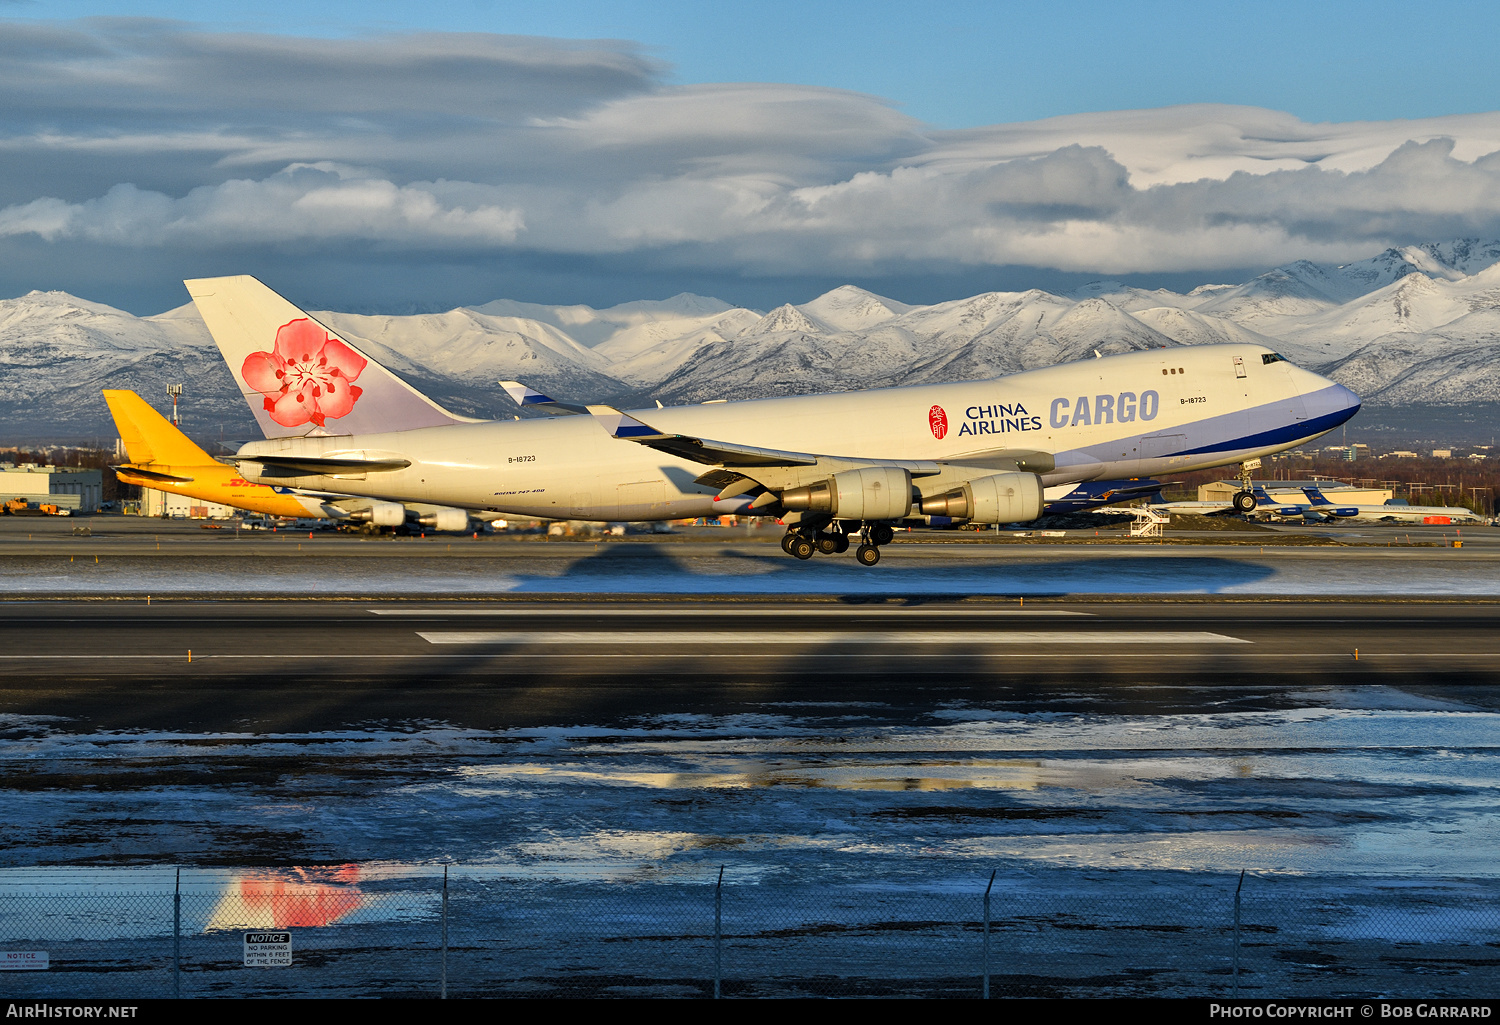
x: 1380, y: 792
x: 856, y: 841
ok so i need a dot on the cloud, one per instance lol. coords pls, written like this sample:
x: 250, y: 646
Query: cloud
x: 324, y: 203
x: 138, y: 134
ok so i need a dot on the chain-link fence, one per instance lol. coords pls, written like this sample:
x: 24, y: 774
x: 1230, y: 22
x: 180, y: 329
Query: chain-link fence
x: 476, y: 934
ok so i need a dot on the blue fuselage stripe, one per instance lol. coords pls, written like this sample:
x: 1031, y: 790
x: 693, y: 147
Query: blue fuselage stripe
x: 1279, y: 435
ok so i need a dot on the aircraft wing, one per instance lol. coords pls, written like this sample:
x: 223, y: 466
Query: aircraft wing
x: 1201, y: 508
x: 699, y: 450
x: 529, y: 398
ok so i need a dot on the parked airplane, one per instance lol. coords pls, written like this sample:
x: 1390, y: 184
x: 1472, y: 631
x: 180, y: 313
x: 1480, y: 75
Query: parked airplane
x: 1437, y: 514
x: 1255, y: 503
x: 1315, y: 507
x: 162, y: 457
x: 1413, y: 513
x: 1322, y: 507
x: 830, y: 466
x: 1095, y: 494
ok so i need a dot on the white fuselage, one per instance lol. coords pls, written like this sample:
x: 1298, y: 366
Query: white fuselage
x: 1137, y: 414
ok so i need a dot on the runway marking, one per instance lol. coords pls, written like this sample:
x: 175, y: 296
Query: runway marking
x: 177, y: 656
x: 1058, y: 639
x: 794, y: 612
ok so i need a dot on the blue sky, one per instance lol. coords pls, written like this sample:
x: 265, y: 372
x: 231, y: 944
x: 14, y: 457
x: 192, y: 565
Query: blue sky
x: 960, y: 64
x: 405, y: 156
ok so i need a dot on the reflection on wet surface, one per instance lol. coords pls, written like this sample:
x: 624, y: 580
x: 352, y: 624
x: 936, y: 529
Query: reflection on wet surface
x: 1303, y: 790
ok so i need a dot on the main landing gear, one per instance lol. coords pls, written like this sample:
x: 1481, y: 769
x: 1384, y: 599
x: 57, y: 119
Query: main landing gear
x: 804, y: 544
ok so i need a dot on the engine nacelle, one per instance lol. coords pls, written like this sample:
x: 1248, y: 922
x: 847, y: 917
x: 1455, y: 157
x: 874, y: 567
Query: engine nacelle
x: 869, y: 493
x: 445, y: 518
x: 381, y: 514
x: 1002, y: 498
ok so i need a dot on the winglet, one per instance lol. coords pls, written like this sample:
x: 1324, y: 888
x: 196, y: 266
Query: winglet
x: 623, y: 425
x: 522, y: 395
x: 530, y: 398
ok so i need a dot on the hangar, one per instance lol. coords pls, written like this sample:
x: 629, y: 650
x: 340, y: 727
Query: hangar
x: 74, y: 489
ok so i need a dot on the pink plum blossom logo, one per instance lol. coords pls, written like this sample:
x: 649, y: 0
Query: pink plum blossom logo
x: 307, y: 377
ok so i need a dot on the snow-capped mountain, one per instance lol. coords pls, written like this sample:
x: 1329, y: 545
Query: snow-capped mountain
x: 1415, y: 326
x: 58, y: 352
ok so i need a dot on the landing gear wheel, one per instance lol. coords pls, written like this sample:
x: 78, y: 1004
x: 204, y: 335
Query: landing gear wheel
x: 801, y: 547
x: 867, y: 555
x: 881, y: 534
x: 827, y: 543
x: 840, y: 544
x: 1244, y: 502
x: 786, y: 542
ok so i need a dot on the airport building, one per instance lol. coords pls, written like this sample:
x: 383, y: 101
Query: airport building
x: 165, y: 503
x: 76, y: 490
x: 1337, y: 492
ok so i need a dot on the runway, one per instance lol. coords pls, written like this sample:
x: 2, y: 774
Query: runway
x: 306, y: 665
x: 141, y: 559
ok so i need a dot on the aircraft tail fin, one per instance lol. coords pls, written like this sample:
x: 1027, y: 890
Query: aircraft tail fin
x: 1316, y: 496
x: 150, y: 437
x: 298, y: 376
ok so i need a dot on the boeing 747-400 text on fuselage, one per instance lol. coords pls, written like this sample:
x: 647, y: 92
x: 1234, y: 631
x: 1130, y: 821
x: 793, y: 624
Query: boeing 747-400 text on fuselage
x: 830, y: 466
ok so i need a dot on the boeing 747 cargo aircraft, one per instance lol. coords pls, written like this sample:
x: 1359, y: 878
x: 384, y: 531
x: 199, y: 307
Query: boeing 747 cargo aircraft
x: 832, y: 467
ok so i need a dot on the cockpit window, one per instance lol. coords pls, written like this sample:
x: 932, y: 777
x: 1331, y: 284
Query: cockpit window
x: 1272, y: 357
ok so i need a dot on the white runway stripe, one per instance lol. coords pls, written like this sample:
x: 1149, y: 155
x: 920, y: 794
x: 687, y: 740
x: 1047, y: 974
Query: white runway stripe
x: 792, y: 611
x: 1057, y: 639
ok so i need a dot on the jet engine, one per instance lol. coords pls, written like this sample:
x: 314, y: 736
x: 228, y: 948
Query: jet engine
x: 1002, y: 498
x: 381, y: 514
x: 444, y: 518
x: 869, y: 493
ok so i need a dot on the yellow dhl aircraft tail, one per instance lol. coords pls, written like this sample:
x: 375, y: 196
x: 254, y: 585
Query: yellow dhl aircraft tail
x: 164, y: 458
x: 148, y: 436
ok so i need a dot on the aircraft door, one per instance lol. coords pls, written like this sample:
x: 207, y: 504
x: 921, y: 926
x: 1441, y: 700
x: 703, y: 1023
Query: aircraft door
x: 642, y: 500
x: 1158, y: 449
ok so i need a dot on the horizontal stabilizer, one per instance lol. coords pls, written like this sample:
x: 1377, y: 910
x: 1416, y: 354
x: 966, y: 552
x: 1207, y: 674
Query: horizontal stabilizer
x: 313, y: 466
x: 699, y: 450
x: 149, y: 475
x: 530, y: 398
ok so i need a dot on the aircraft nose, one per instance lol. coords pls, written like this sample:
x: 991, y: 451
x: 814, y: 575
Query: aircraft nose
x: 1328, y: 400
x: 1343, y: 399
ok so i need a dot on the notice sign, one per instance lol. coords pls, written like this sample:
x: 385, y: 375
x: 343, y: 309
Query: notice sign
x: 23, y: 960
x: 268, y: 950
